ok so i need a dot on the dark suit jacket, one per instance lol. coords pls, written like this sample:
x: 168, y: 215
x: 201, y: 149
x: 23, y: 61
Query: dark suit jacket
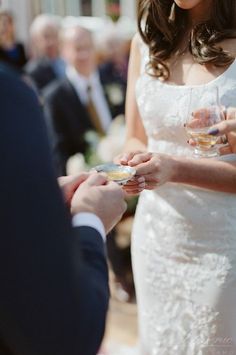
x: 111, y: 76
x: 17, y: 60
x: 54, y: 282
x: 41, y: 72
x: 67, y: 120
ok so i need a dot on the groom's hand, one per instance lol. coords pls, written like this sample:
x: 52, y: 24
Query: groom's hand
x: 98, y: 196
x: 69, y: 184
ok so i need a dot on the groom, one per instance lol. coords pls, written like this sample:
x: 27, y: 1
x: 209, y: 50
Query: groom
x: 54, y: 281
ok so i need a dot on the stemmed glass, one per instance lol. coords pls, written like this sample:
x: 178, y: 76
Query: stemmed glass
x: 204, y: 111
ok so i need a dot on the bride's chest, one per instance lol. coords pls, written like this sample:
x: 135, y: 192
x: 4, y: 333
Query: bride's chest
x: 185, y: 71
x: 160, y: 104
x: 165, y: 105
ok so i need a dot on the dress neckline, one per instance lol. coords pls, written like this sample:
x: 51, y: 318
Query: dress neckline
x: 211, y: 82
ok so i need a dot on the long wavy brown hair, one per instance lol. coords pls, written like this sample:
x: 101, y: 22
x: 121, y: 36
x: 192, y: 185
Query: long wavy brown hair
x: 163, y: 31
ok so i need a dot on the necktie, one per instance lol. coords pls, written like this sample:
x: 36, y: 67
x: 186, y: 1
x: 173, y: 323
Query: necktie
x: 93, y: 113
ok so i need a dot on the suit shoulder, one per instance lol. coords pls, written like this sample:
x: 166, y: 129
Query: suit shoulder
x: 34, y: 66
x: 14, y: 89
x: 56, y: 88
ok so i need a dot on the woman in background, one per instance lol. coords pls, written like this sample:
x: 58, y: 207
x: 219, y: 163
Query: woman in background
x: 11, y: 52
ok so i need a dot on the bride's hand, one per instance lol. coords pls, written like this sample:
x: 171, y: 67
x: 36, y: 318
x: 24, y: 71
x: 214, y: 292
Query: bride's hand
x: 225, y: 130
x: 124, y: 158
x: 157, y: 169
x: 137, y: 184
x: 227, y: 127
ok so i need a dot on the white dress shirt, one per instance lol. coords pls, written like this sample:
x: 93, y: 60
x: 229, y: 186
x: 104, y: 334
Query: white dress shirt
x: 81, y: 84
x: 87, y: 219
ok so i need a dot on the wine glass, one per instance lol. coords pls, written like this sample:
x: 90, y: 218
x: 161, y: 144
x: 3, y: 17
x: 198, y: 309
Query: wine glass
x: 204, y: 111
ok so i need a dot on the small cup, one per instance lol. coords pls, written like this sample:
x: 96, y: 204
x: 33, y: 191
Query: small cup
x: 120, y: 174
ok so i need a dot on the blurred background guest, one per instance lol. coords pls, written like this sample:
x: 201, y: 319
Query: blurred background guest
x: 77, y: 104
x: 46, y: 64
x: 114, y: 66
x: 11, y: 51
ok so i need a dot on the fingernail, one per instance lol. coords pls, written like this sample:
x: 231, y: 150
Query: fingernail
x: 213, y: 131
x: 141, y: 179
x: 141, y: 186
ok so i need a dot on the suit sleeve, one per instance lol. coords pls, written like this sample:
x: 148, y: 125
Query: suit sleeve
x: 41, y: 73
x: 54, y: 288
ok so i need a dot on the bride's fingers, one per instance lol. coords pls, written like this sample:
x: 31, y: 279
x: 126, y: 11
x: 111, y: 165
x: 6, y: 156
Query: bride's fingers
x: 140, y: 158
x: 137, y: 180
x: 151, y: 178
x: 225, y: 150
x: 126, y: 157
x: 134, y: 190
x: 151, y: 186
x: 139, y: 186
x: 223, y: 128
x: 136, y: 184
x: 191, y: 142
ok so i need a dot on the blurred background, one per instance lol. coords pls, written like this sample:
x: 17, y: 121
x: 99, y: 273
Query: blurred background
x: 26, y: 10
x: 74, y: 54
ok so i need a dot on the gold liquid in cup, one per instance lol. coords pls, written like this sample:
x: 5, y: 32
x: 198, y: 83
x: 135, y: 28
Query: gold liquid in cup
x: 118, y: 173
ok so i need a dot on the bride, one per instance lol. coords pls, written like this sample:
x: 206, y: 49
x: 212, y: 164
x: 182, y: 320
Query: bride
x: 184, y: 234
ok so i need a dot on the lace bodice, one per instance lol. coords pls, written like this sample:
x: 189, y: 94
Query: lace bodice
x: 163, y: 107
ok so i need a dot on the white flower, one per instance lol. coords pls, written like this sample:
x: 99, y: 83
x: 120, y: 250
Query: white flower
x: 76, y: 164
x: 112, y: 145
x: 115, y: 94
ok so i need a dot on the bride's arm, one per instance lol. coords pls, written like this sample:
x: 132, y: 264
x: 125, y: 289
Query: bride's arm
x: 212, y: 174
x: 135, y: 138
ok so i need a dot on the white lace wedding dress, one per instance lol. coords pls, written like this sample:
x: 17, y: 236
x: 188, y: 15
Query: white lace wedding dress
x: 184, y: 238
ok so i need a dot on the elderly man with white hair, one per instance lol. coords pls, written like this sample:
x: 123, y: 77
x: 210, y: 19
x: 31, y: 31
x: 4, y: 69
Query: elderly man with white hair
x: 77, y: 104
x: 46, y: 64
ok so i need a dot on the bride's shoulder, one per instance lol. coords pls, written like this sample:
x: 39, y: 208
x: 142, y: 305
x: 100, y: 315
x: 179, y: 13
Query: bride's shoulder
x: 137, y: 40
x: 138, y: 45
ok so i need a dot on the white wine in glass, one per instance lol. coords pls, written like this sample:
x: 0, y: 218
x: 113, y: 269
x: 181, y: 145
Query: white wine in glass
x: 203, y: 112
